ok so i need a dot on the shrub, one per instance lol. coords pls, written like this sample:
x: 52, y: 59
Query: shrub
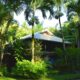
x: 26, y: 68
x: 68, y: 61
x: 3, y: 71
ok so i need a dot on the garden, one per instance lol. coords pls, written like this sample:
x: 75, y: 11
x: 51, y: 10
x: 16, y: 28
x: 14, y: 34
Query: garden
x: 28, y: 51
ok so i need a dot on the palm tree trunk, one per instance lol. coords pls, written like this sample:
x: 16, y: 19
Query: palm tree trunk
x: 64, y: 51
x: 62, y: 34
x: 33, y: 40
x: 33, y: 44
x: 78, y: 39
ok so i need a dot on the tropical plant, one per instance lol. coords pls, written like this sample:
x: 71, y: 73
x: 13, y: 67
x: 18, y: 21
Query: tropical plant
x: 72, y: 8
x: 6, y: 16
x: 31, y: 71
x: 69, y: 31
x: 22, y: 31
x: 31, y: 7
x: 72, y: 58
x: 59, y: 5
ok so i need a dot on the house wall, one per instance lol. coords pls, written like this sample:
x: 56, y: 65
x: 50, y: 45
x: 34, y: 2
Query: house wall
x: 50, y: 46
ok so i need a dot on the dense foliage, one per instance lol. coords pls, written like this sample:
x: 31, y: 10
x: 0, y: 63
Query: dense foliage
x: 16, y: 54
x: 68, y: 61
x: 31, y: 71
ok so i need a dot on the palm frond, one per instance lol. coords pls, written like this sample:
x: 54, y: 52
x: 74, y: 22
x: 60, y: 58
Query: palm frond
x: 74, y: 6
x: 47, y: 6
x: 58, y: 2
x: 28, y: 12
x: 3, y: 12
x: 43, y: 13
x: 13, y: 5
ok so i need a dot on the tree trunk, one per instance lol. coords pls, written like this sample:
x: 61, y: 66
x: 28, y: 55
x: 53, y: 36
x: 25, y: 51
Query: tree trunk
x: 62, y: 34
x: 1, y: 52
x: 32, y: 48
x: 78, y: 41
x: 33, y: 40
x: 63, y: 42
x: 3, y: 40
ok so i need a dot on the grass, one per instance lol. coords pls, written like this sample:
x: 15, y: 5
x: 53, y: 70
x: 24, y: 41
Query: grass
x: 55, y: 75
x: 50, y: 77
x: 6, y: 78
x: 64, y: 77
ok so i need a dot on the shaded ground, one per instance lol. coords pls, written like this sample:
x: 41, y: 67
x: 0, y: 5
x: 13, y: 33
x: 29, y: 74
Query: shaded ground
x: 50, y: 77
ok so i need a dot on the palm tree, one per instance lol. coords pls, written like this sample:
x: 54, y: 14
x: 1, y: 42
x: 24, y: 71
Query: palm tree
x: 32, y: 6
x: 50, y: 6
x: 43, y: 5
x: 5, y: 17
x: 74, y: 6
x: 59, y: 4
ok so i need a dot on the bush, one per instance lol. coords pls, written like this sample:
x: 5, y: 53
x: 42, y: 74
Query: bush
x: 68, y: 61
x: 31, y: 71
x: 3, y: 71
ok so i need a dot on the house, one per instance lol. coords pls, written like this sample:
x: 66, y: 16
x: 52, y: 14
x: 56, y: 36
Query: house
x: 48, y: 40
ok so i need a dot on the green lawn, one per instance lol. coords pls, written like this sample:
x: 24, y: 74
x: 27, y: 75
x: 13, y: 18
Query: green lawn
x: 6, y: 78
x: 52, y: 77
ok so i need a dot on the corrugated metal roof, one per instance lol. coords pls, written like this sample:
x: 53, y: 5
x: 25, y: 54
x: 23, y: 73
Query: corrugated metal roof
x: 41, y: 36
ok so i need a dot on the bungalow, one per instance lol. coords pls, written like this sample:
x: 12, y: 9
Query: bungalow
x: 48, y: 41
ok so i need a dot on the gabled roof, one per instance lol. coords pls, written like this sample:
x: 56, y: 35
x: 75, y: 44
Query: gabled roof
x: 45, y: 35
